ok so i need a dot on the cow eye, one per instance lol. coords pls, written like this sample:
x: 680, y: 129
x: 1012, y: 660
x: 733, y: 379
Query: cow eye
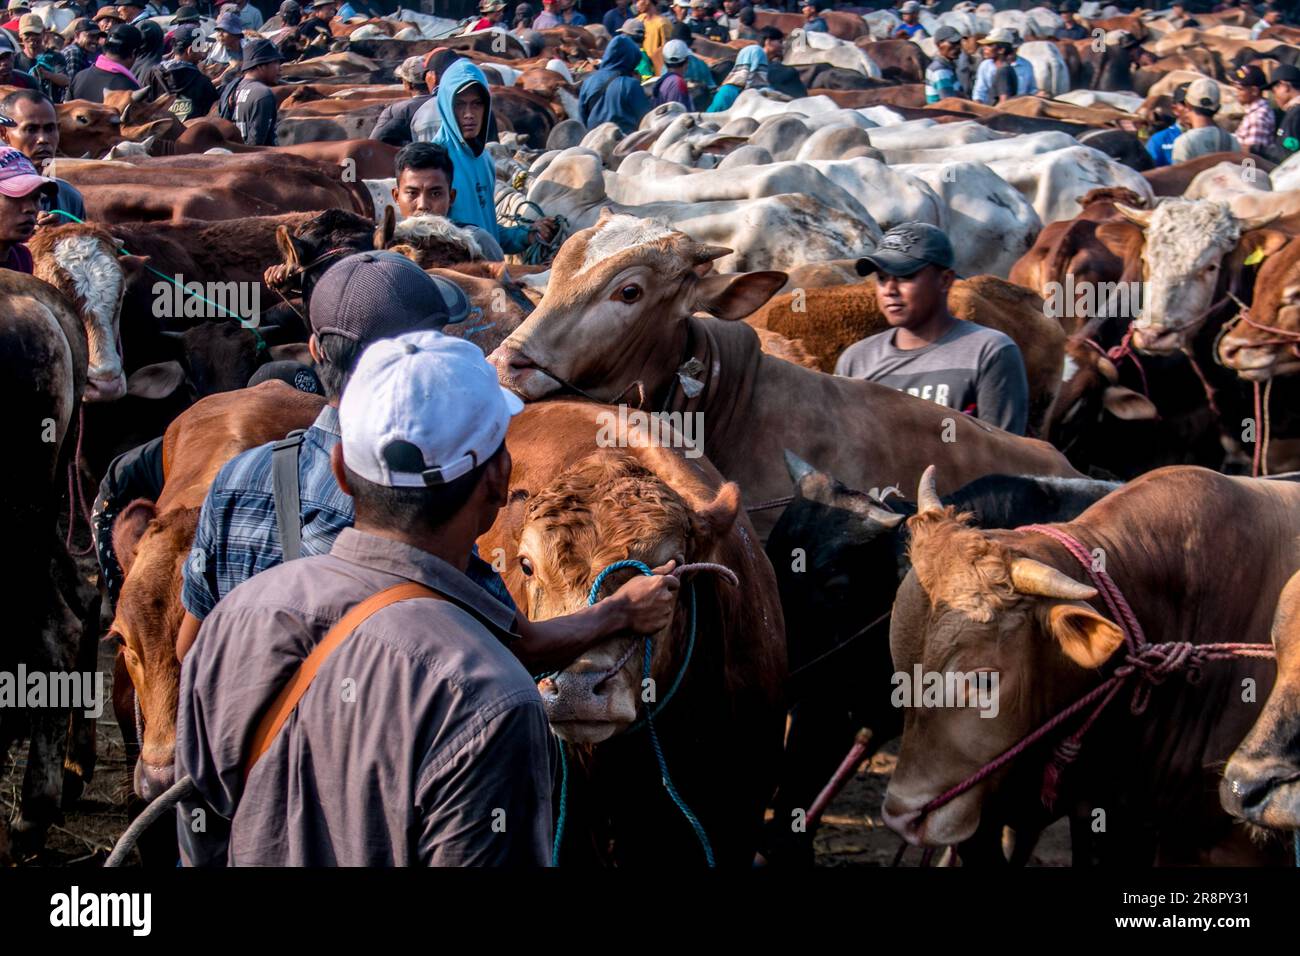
x: 112, y: 637
x: 629, y: 293
x: 526, y: 566
x: 82, y: 120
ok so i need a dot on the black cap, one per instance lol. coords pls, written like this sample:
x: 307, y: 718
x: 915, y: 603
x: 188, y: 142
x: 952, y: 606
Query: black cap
x: 908, y: 248
x: 183, y: 37
x: 1285, y: 73
x: 186, y: 14
x: 1250, y: 76
x: 124, y: 39
x: 375, y: 295
x: 258, y: 52
x: 302, y: 377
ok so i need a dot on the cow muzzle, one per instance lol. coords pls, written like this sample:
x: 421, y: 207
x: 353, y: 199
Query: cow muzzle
x: 1263, y: 792
x: 518, y: 373
x: 595, y: 697
x: 151, y: 781
x: 106, y: 388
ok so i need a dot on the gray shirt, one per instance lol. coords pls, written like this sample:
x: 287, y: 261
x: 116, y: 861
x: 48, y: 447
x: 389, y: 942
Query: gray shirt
x: 971, y: 369
x: 256, y: 113
x: 422, y: 740
x: 1203, y: 141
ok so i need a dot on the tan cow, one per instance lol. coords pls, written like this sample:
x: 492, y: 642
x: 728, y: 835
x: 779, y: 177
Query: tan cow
x: 617, y: 324
x: 1011, y: 604
x: 1264, y: 340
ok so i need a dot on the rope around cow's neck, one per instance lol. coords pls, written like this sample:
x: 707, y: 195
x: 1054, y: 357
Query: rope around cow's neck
x: 648, y: 721
x: 261, y: 343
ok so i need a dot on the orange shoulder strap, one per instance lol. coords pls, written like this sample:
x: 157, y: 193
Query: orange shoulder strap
x: 292, y: 692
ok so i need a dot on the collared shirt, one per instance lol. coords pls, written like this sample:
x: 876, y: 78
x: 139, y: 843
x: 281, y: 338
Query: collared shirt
x: 237, y: 536
x: 421, y: 742
x: 76, y: 58
x: 1256, y: 128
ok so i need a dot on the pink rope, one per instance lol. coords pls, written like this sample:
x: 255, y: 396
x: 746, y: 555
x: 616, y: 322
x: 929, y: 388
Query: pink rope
x: 1152, y: 662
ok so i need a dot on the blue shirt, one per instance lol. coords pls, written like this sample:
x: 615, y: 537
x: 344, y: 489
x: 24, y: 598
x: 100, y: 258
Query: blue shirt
x: 237, y: 536
x: 615, y: 19
x: 1161, y: 145
x: 983, y: 90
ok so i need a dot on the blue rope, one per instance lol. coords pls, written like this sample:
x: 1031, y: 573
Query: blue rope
x: 665, y: 777
x: 261, y: 343
x: 1295, y: 839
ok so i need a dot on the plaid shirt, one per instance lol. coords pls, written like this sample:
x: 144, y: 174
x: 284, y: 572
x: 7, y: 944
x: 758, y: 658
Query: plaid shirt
x: 237, y: 536
x: 1256, y: 128
x: 76, y: 58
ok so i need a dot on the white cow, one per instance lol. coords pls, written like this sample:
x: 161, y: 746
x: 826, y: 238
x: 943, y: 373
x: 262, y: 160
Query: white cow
x: 1128, y: 102
x: 1011, y: 147
x: 926, y: 134
x: 824, y: 48
x: 1287, y: 173
x: 1054, y: 182
x: 990, y: 224
x: 770, y: 232
x: 1050, y: 70
x: 1229, y: 181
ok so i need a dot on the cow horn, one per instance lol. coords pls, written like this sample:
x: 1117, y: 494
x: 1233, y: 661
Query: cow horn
x: 702, y: 253
x: 798, y: 468
x: 1139, y: 217
x: 1033, y: 577
x: 927, y: 498
x: 1258, y: 222
x: 137, y: 96
x: 172, y: 334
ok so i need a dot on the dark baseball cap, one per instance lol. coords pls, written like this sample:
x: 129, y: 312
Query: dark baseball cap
x: 947, y: 34
x: 908, y: 248
x: 1249, y: 76
x: 186, y: 14
x: 183, y: 37
x: 84, y: 25
x: 124, y: 39
x: 375, y: 295
x: 302, y: 377
x: 1285, y: 73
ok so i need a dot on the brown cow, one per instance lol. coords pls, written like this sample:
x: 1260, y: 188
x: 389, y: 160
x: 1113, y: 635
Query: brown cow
x: 899, y: 60
x: 577, y: 508
x: 152, y: 539
x: 829, y: 320
x: 1260, y: 782
x: 1008, y: 603
x: 617, y: 324
x: 87, y: 129
x: 1264, y: 340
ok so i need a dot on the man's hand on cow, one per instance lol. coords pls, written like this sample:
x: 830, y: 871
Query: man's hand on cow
x: 276, y: 277
x: 543, y: 230
x: 645, y: 604
x: 49, y: 219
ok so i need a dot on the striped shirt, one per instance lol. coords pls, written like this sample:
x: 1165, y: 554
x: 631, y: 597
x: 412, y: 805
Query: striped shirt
x: 237, y: 536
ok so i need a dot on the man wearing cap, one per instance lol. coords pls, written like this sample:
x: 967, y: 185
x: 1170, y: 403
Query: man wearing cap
x: 180, y: 76
x: 1204, y: 136
x: 9, y: 75
x: 813, y: 22
x: 224, y: 54
x: 46, y: 67
x: 992, y: 84
x: 1160, y: 145
x: 248, y: 102
x: 394, y: 123
x: 1255, y: 131
x: 657, y: 27
x: 35, y: 134
x: 729, y: 18
x: 1286, y: 95
x: 20, y: 189
x: 112, y: 68
x: 671, y: 87
x: 634, y: 30
x: 493, y: 11
x: 107, y: 18
x: 135, y: 13
x: 941, y: 73
x: 613, y: 93
x: 361, y: 299
x: 927, y: 352
x: 617, y: 16
x: 910, y: 28
x: 186, y: 14
x: 702, y: 23
x: 1073, y: 29
x: 16, y: 9
x: 426, y: 120
x: 84, y: 48
x: 439, y: 754
x: 314, y: 31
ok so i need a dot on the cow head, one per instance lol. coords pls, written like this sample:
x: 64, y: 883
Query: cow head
x: 1261, y: 783
x: 976, y: 603
x: 1259, y: 352
x: 87, y: 128
x: 84, y: 263
x: 151, y: 549
x: 318, y: 243
x: 607, y: 508
x: 1184, y: 260
x: 614, y: 314
x: 1089, y: 389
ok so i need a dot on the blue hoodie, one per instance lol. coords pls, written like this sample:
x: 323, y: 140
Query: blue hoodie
x: 753, y: 61
x: 475, y: 176
x: 613, y: 94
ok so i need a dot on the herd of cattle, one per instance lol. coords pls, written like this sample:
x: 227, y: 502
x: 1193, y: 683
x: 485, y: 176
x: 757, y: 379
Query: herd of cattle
x: 872, y: 533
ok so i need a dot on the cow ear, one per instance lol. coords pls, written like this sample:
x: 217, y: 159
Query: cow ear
x: 1128, y: 405
x: 293, y: 352
x: 129, y: 528
x: 156, y: 381
x: 1256, y: 246
x: 735, y: 296
x: 713, y: 521
x: 384, y: 231
x: 1084, y: 636
x: 289, y: 248
x: 132, y: 266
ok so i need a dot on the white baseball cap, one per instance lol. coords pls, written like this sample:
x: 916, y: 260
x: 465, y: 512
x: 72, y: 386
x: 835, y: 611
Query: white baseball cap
x: 423, y: 409
x: 676, y: 51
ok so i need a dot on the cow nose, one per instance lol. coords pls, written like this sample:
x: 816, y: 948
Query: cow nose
x: 1247, y: 785
x: 151, y: 781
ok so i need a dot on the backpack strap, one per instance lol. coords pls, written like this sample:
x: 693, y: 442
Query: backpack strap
x: 284, y: 487
x: 287, y: 700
